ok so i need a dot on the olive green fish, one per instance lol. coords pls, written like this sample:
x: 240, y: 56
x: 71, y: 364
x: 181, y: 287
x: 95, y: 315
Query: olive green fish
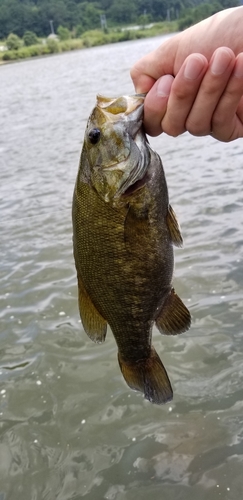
x: 123, y: 232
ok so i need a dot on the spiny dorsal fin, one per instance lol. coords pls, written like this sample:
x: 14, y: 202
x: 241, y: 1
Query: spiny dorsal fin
x: 174, y: 317
x: 94, y: 324
x: 174, y: 227
x: 148, y: 376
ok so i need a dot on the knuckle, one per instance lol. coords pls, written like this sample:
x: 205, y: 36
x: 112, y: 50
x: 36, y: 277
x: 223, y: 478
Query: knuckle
x: 135, y: 75
x: 134, y: 72
x: 218, y: 119
x: 216, y: 124
x: 180, y: 93
x: 172, y: 130
x: 197, y: 128
x: 153, y: 129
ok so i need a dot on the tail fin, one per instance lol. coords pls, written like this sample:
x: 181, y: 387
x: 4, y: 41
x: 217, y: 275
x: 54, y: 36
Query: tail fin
x: 148, y: 376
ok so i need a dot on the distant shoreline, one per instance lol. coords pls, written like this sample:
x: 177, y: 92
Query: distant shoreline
x: 93, y: 38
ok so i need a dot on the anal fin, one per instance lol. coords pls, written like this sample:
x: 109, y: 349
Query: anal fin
x: 149, y: 377
x: 174, y: 227
x: 174, y: 316
x: 94, y: 324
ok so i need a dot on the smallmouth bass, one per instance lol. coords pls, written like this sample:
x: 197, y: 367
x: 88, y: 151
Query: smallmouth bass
x: 123, y: 234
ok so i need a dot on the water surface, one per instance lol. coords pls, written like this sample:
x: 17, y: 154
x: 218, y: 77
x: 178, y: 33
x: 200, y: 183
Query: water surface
x: 70, y: 428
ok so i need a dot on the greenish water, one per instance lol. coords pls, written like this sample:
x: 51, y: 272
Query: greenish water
x: 70, y: 428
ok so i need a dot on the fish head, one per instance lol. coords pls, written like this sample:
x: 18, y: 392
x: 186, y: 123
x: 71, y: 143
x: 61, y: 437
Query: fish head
x: 116, y: 145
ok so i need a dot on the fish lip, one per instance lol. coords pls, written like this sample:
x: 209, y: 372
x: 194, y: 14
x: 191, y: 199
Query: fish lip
x: 128, y: 109
x: 125, y: 104
x: 131, y: 116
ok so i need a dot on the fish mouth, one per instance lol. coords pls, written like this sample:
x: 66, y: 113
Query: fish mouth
x: 125, y: 109
x: 120, y: 105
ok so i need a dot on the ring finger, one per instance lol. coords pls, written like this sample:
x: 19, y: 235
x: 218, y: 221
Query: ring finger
x: 212, y: 87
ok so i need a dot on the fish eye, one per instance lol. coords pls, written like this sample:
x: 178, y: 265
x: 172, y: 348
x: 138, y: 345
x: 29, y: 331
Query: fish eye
x: 94, y: 135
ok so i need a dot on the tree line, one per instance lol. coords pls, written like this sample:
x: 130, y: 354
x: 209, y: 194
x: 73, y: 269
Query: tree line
x: 78, y: 16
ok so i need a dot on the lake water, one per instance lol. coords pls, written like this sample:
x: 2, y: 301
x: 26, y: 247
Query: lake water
x: 70, y: 428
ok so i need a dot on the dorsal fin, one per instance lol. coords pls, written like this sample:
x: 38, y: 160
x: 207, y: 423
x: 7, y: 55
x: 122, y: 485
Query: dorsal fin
x: 174, y: 227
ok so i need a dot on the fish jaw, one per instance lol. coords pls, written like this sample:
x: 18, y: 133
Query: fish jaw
x: 120, y: 105
x: 121, y: 156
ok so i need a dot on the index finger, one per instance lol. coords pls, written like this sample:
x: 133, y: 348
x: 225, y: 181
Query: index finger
x: 151, y: 67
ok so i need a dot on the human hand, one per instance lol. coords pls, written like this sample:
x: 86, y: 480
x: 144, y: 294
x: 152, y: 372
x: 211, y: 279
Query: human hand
x: 194, y: 83
x: 204, y: 98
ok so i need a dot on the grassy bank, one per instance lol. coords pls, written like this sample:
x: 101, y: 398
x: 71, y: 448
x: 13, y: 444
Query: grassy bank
x: 88, y: 39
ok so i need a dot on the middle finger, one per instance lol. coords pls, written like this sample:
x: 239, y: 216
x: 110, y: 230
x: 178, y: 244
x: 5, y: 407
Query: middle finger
x: 213, y: 84
x: 183, y: 93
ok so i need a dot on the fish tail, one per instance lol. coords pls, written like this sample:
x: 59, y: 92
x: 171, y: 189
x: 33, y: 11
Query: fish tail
x: 148, y: 376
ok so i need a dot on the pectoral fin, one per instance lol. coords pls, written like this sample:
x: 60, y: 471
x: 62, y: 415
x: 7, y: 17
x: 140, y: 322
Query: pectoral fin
x: 174, y: 228
x: 174, y: 317
x: 94, y: 324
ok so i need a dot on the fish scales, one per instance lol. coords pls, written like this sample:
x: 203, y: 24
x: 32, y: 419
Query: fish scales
x: 123, y: 232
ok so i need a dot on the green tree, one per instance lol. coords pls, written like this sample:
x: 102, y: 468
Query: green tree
x: 13, y: 42
x: 89, y: 15
x: 63, y: 33
x: 196, y: 14
x: 123, y: 12
x: 227, y: 4
x: 79, y: 30
x: 144, y: 19
x: 19, y: 16
x: 30, y: 38
x: 52, y: 45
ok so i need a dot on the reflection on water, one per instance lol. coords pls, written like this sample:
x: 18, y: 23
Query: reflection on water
x: 69, y: 426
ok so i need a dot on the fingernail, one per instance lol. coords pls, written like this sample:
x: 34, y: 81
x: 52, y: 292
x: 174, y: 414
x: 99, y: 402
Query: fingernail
x: 193, y: 67
x: 221, y: 61
x: 164, y: 85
